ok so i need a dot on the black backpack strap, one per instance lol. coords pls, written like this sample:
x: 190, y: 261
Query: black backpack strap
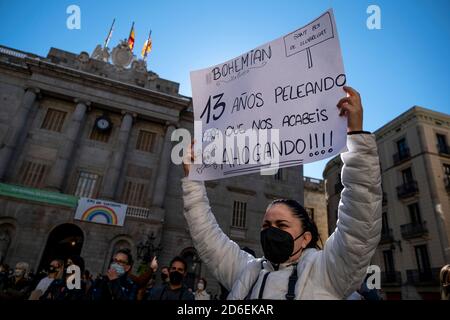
x: 247, y: 297
x: 292, y: 282
x: 263, y: 285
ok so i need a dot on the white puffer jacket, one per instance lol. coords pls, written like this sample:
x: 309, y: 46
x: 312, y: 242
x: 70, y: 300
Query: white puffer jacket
x: 332, y: 273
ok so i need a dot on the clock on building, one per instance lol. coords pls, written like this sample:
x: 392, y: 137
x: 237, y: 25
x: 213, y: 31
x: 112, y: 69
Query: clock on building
x: 103, y: 123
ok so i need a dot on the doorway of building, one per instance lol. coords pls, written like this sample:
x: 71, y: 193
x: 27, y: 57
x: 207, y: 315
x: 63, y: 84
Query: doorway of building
x: 64, y: 241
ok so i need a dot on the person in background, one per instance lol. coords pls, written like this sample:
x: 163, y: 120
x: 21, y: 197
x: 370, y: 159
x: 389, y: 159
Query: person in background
x: 165, y: 274
x: 150, y: 286
x: 444, y: 278
x: 200, y: 293
x: 174, y: 290
x: 117, y: 285
x: 59, y: 289
x: 143, y: 279
x: 87, y: 278
x: 18, y: 286
x: 55, y: 271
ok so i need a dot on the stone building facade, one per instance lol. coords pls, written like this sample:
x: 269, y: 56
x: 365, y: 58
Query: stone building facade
x: 315, y: 203
x: 415, y: 164
x: 53, y: 151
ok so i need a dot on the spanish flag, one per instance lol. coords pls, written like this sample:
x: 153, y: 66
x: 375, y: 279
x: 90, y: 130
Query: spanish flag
x: 131, y: 38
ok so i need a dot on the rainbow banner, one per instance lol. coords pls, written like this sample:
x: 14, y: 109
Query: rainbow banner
x: 101, y: 211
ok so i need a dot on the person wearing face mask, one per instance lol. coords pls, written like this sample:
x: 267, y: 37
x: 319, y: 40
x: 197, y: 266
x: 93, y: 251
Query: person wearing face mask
x: 18, y: 286
x: 174, y: 289
x: 200, y: 293
x: 165, y: 274
x: 54, y: 271
x: 293, y: 265
x: 59, y: 290
x: 118, y: 284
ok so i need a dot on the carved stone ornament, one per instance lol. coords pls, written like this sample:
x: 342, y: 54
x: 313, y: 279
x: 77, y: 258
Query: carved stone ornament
x: 100, y: 53
x: 139, y: 65
x: 122, y: 55
x: 83, y: 57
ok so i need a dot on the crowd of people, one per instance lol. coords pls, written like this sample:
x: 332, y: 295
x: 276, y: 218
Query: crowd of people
x: 119, y: 283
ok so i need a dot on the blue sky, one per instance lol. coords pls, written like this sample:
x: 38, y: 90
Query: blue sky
x: 405, y: 63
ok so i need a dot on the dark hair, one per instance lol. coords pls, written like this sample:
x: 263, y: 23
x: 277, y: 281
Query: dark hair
x: 308, y: 224
x: 204, y: 282
x: 126, y: 252
x: 179, y: 259
x: 78, y: 261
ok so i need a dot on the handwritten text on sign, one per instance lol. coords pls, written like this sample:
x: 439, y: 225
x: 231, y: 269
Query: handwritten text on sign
x: 286, y: 91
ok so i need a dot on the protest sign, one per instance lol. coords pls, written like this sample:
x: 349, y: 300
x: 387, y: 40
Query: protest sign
x: 286, y: 91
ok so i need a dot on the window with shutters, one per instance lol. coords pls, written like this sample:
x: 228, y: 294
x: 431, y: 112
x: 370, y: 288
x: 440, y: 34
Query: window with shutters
x: 54, y: 120
x: 133, y: 193
x: 239, y: 214
x: 87, y: 184
x: 146, y: 141
x: 32, y: 174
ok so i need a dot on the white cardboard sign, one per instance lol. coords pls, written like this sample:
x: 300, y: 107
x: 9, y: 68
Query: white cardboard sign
x: 291, y: 84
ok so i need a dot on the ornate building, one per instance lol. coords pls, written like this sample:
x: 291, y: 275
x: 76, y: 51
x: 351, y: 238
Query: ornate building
x: 415, y: 167
x: 75, y: 125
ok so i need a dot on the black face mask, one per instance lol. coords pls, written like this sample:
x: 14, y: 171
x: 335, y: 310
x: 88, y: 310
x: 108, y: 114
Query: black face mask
x: 52, y: 269
x: 278, y: 244
x: 175, y: 278
x: 164, y: 276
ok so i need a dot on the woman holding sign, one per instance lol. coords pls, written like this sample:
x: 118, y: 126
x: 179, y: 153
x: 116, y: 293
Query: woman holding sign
x: 293, y: 266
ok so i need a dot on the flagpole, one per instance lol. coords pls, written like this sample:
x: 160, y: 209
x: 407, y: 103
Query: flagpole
x: 109, y: 34
x: 132, y: 26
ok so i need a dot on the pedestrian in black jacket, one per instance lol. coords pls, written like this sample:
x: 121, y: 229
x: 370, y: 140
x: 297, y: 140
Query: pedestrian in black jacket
x: 117, y: 284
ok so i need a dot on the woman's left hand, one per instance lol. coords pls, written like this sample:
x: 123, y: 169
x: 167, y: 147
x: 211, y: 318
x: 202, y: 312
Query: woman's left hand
x: 351, y: 107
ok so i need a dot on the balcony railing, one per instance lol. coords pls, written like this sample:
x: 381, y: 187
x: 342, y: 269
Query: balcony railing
x: 423, y: 277
x: 414, y: 230
x: 338, y: 187
x: 138, y: 212
x: 391, y: 278
x: 401, y: 156
x: 407, y: 190
x: 387, y: 236
x: 385, y: 200
x: 443, y: 149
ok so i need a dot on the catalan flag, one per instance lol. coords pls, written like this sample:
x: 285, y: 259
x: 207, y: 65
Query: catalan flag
x: 131, y: 38
x: 109, y: 34
x: 147, y: 46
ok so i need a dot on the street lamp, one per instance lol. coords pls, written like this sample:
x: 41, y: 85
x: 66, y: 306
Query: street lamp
x: 146, y: 250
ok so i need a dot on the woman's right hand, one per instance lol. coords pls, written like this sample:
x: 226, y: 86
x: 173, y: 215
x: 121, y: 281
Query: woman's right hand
x: 188, y: 159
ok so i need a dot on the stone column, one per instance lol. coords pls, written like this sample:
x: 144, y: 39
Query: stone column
x: 66, y: 151
x: 111, y: 179
x: 16, y: 130
x: 159, y: 190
